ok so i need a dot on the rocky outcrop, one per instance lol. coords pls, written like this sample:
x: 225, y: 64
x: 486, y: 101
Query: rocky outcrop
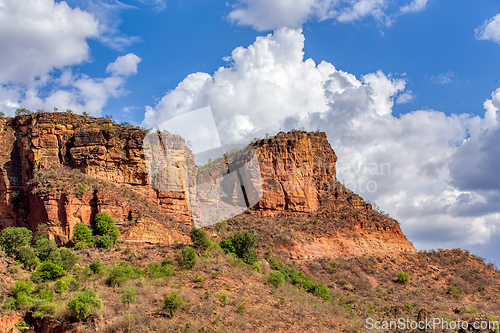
x: 59, y: 169
x: 297, y: 169
x: 95, y: 147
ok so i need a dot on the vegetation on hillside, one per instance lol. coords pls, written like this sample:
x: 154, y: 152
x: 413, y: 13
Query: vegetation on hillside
x: 152, y: 288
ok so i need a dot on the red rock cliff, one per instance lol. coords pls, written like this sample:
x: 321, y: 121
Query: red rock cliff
x: 60, y: 169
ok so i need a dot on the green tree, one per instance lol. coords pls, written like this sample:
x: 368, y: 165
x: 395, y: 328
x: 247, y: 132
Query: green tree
x: 172, y: 303
x: 84, y: 303
x: 27, y: 256
x: 105, y: 242
x: 241, y: 244
x: 82, y: 236
x: 200, y: 238
x: 188, y: 258
x: 44, y: 247
x: 13, y: 238
x: 64, y: 258
x: 105, y: 226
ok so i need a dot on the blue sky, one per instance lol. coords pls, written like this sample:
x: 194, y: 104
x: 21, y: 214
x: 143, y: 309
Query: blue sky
x: 413, y: 84
x: 446, y: 66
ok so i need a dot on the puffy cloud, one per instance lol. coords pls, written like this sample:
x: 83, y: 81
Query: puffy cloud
x: 69, y: 91
x: 273, y: 14
x: 409, y: 165
x: 41, y: 40
x: 490, y: 30
x: 125, y: 65
x: 38, y: 36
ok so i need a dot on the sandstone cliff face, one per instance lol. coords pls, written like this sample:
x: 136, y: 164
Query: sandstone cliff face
x: 97, y: 148
x: 296, y: 168
x: 60, y: 169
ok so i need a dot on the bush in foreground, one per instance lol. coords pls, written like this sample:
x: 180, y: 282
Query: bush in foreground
x: 84, y: 303
x: 172, y: 303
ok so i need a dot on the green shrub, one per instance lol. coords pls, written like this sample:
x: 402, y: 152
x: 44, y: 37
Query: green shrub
x: 22, y: 286
x: 455, y: 292
x: 81, y: 190
x: 84, y: 303
x: 105, y: 242
x: 250, y: 257
x: 82, y: 236
x: 64, y: 258
x: 66, y: 283
x: 44, y: 247
x: 403, y: 278
x: 227, y: 245
x: 105, y: 225
x: 22, y: 291
x: 23, y: 327
x: 129, y: 296
x: 223, y: 298
x: 44, y: 292
x: 48, y: 271
x: 96, y: 267
x: 241, y: 244
x: 120, y: 274
x: 9, y: 303
x: 13, y: 238
x: 27, y: 256
x: 172, y: 303
x: 322, y: 291
x: 44, y: 309
x: 156, y: 271
x: 276, y: 278
x: 200, y: 238
x: 188, y: 257
x: 241, y: 308
x: 297, y: 278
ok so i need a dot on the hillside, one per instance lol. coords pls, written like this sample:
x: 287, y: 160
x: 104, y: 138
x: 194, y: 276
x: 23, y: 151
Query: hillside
x: 342, y: 260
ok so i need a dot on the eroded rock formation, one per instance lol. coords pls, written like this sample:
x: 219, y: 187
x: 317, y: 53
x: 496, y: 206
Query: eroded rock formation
x: 60, y: 169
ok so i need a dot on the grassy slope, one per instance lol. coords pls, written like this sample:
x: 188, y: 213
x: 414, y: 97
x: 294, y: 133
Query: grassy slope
x: 361, y: 287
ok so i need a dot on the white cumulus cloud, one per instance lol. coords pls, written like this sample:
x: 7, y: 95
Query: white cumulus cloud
x: 37, y: 36
x: 274, y: 14
x: 41, y: 41
x: 405, y: 164
x: 490, y: 30
x: 125, y: 65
